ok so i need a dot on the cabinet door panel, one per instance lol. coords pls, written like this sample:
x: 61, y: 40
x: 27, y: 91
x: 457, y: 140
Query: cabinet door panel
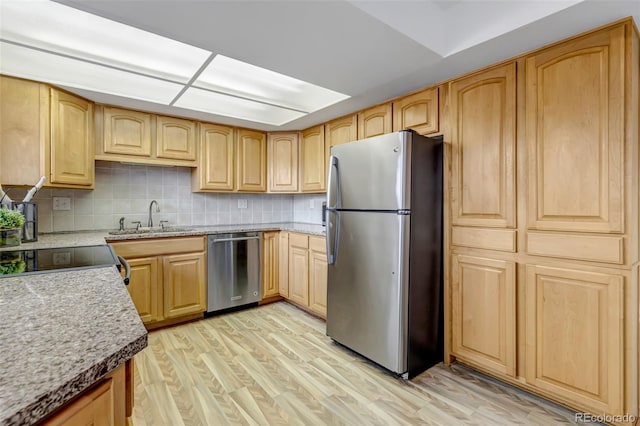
x: 318, y: 276
x: 175, y: 138
x: 312, y: 158
x: 340, y: 131
x: 575, y: 132
x: 95, y: 407
x: 216, y: 161
x: 144, y: 288
x: 418, y: 112
x: 483, y: 115
x: 127, y: 132
x: 72, y: 144
x: 299, y: 269
x: 484, y: 312
x: 375, y: 121
x: 574, y: 335
x: 251, y: 161
x: 270, y: 266
x: 24, y: 131
x: 283, y: 264
x: 184, y: 284
x: 283, y: 162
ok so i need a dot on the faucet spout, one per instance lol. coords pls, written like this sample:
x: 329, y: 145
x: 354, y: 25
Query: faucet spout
x: 150, y: 223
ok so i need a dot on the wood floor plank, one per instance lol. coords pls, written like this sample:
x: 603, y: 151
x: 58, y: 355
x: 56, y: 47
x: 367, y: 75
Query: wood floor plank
x: 274, y: 365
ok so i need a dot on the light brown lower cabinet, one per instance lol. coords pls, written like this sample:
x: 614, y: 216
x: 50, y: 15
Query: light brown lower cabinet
x: 574, y: 335
x: 283, y: 264
x: 483, y: 298
x: 306, y: 270
x: 318, y: 275
x: 168, y: 279
x: 270, y: 265
x: 103, y: 404
x: 299, y: 268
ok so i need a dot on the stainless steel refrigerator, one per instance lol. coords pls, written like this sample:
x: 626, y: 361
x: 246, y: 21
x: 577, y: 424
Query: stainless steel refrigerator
x: 384, y: 249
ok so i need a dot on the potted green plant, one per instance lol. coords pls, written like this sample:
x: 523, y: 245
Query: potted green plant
x: 11, y: 263
x: 11, y: 222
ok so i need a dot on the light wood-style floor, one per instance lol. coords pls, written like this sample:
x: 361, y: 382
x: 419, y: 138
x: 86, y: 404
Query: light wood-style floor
x: 273, y: 365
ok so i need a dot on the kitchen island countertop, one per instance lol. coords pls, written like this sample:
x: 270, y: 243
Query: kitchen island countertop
x: 60, y: 333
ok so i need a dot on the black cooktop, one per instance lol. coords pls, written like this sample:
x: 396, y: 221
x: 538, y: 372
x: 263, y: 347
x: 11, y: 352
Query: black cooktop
x: 23, y: 262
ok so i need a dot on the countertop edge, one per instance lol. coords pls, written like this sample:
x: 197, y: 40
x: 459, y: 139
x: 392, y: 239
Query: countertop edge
x: 47, y: 404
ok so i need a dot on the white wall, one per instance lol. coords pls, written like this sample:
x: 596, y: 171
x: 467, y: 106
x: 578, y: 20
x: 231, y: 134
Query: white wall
x: 126, y: 190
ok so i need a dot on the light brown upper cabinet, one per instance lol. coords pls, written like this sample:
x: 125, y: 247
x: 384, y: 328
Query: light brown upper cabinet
x: 339, y: 131
x: 138, y: 137
x: 283, y: 161
x: 251, y: 161
x: 216, y: 159
x: 45, y: 132
x: 313, y: 164
x: 175, y: 138
x: 483, y: 142
x: 575, y: 131
x: 418, y: 112
x: 126, y: 132
x: 375, y: 121
x: 72, y: 146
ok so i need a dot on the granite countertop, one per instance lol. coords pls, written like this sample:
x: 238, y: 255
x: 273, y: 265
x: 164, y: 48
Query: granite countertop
x: 60, y: 333
x: 305, y: 228
x: 88, y: 238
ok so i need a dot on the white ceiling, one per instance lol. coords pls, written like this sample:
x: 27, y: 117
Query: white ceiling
x: 370, y: 50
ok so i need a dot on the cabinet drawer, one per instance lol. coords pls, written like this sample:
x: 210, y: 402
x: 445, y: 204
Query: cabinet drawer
x: 299, y: 240
x: 318, y: 244
x: 489, y: 239
x: 159, y: 246
x: 596, y: 248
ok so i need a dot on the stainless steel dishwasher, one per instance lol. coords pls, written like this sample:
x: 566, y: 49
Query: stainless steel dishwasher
x: 233, y: 270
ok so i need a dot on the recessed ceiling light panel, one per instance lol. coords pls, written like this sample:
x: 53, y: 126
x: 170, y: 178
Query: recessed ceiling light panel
x: 62, y: 29
x: 238, y: 78
x: 41, y: 66
x: 230, y: 106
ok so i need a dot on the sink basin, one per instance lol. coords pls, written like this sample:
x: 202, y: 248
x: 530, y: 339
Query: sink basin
x: 153, y: 230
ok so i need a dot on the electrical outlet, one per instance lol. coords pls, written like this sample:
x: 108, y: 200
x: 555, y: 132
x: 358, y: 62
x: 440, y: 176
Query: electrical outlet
x: 62, y: 258
x: 61, y: 203
x: 311, y: 203
x: 242, y: 204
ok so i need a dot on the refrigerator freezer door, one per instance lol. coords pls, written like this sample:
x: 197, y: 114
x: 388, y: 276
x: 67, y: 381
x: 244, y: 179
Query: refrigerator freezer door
x: 372, y: 174
x: 367, y: 287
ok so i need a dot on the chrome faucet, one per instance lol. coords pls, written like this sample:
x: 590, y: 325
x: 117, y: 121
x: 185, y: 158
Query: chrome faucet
x: 150, y: 224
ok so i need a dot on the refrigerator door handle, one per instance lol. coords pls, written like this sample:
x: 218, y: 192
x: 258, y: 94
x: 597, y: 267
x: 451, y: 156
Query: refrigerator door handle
x: 333, y: 165
x: 332, y: 236
x: 333, y: 216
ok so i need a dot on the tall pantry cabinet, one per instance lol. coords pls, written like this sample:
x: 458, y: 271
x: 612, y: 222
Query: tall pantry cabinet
x: 543, y: 213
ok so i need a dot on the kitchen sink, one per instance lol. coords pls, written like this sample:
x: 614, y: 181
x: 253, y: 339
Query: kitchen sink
x: 153, y: 230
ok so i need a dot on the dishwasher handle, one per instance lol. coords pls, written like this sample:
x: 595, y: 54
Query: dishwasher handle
x: 221, y: 240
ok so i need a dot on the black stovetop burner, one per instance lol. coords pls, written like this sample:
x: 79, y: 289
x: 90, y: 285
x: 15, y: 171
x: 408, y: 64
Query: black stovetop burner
x: 23, y: 262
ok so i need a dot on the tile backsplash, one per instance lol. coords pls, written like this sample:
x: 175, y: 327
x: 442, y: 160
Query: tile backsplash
x: 124, y: 190
x: 308, y: 208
